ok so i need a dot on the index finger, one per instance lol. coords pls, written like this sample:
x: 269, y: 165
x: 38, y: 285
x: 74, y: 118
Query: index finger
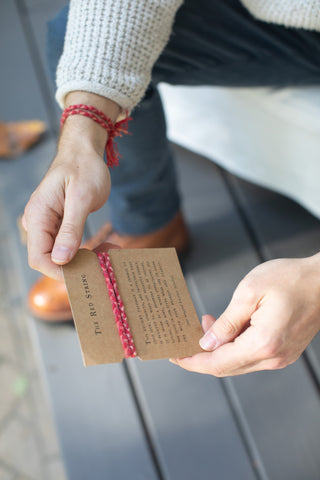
x: 40, y: 240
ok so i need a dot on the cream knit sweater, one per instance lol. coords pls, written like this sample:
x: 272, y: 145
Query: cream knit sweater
x: 112, y: 45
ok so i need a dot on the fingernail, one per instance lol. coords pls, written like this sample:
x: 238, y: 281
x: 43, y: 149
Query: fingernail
x: 208, y: 341
x: 60, y: 254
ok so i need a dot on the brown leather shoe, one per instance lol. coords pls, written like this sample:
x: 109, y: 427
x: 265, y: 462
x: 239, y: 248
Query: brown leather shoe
x: 16, y: 137
x: 48, y: 299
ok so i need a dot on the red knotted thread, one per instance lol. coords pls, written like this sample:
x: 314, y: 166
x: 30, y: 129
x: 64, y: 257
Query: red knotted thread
x: 117, y: 306
x: 114, y: 130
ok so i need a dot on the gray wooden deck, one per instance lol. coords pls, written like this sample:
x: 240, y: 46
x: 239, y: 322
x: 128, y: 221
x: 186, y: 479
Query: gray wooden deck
x: 152, y: 420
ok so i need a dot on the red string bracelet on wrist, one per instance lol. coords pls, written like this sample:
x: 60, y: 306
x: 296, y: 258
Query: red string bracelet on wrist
x: 114, y: 130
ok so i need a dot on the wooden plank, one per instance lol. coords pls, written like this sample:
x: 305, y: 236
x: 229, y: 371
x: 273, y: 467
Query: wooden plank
x: 283, y: 227
x: 282, y: 411
x: 213, y: 269
x: 188, y: 415
x: 191, y: 423
x: 96, y: 415
x: 99, y: 429
x: 265, y: 403
x: 282, y: 408
x: 93, y: 408
x: 239, y: 453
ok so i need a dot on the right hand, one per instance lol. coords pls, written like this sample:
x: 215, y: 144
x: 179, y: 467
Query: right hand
x: 77, y: 183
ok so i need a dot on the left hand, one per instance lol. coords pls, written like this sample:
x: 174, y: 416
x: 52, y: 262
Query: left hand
x: 272, y: 317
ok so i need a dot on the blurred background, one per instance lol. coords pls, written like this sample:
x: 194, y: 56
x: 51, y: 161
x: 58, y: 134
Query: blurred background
x: 28, y: 443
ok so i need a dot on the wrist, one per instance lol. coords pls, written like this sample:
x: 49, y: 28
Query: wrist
x: 79, y: 132
x: 82, y: 134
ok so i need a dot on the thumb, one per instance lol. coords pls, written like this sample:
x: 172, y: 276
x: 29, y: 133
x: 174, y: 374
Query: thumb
x: 231, y: 323
x: 69, y: 237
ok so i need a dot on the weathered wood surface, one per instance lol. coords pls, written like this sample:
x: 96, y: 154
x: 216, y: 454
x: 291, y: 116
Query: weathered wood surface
x: 153, y: 420
x: 281, y: 229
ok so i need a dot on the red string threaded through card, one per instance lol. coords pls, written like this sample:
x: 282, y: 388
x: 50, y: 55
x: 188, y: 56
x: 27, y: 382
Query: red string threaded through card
x: 117, y: 306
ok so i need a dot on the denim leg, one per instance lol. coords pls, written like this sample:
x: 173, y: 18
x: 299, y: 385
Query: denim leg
x: 144, y: 194
x: 56, y: 29
x: 218, y: 42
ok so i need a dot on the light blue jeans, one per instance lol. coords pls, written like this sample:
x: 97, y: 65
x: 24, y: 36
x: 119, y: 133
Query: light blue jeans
x: 215, y: 42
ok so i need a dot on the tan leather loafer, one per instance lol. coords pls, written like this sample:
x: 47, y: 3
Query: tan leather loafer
x: 48, y: 299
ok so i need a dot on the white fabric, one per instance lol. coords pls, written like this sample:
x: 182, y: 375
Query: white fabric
x: 269, y: 137
x: 291, y: 13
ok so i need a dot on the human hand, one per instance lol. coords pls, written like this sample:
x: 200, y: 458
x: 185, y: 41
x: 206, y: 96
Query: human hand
x: 272, y: 317
x: 77, y: 183
x: 56, y: 212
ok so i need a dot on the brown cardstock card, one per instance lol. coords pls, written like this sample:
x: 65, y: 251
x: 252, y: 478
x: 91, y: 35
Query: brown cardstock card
x: 162, y: 318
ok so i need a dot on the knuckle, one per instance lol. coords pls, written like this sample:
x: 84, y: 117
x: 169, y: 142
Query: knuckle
x: 30, y: 206
x: 269, y: 350
x: 269, y: 347
x: 69, y: 230
x: 225, y: 327
x: 34, y: 262
x: 34, y: 197
x: 278, y: 363
x: 246, y: 290
x: 287, y: 358
x: 218, y: 371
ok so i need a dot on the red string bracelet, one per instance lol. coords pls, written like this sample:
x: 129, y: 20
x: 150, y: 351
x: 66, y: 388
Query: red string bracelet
x: 114, y: 130
x: 117, y: 306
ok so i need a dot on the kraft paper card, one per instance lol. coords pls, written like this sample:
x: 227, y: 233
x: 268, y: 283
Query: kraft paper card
x: 160, y: 313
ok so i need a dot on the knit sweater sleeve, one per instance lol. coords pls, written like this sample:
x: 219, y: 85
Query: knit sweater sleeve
x: 291, y: 13
x: 111, y: 46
